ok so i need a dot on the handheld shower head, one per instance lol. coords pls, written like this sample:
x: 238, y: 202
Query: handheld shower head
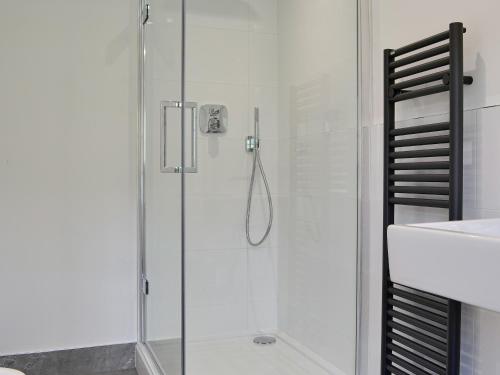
x: 256, y: 116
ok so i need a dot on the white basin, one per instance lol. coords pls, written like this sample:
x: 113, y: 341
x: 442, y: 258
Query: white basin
x: 459, y: 260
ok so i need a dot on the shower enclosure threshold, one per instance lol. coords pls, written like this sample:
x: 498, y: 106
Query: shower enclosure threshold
x: 240, y: 356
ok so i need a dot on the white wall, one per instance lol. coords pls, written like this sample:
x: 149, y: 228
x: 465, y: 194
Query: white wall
x: 397, y: 23
x: 318, y: 178
x: 67, y: 174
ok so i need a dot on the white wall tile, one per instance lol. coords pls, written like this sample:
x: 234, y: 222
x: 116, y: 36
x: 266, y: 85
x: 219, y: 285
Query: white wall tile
x: 216, y: 222
x: 262, y: 289
x: 266, y: 99
x: 225, y: 62
x: 486, y: 342
x: 218, y: 14
x: 488, y: 158
x: 214, y: 277
x: 371, y: 258
x: 216, y: 290
x: 263, y: 59
x: 263, y: 16
x: 470, y: 159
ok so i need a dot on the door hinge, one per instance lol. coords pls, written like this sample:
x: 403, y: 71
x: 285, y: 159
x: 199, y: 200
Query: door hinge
x: 145, y: 286
x: 145, y: 13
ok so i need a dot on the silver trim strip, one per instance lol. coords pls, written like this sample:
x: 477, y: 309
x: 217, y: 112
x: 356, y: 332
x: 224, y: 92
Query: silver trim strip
x: 141, y: 256
x: 365, y: 107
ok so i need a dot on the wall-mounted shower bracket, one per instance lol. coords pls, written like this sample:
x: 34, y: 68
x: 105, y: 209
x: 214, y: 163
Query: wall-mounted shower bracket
x: 251, y: 143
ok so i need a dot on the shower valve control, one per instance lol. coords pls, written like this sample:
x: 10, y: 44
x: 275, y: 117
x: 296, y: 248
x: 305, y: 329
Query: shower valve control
x: 251, y: 143
x: 213, y: 119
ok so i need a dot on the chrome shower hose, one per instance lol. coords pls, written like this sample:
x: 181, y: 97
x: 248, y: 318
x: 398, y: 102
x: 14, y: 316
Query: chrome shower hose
x: 258, y: 162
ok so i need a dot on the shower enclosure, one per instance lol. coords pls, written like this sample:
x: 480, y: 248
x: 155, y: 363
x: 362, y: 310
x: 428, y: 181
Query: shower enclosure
x: 211, y: 70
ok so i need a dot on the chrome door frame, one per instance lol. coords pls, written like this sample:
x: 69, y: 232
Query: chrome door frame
x: 141, y: 207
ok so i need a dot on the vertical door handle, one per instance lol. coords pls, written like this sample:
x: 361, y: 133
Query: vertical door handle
x: 165, y: 106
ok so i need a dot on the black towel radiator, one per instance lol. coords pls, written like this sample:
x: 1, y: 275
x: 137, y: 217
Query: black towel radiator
x: 420, y: 331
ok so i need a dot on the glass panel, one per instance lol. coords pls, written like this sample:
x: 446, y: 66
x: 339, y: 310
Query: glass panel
x: 296, y: 61
x: 162, y: 146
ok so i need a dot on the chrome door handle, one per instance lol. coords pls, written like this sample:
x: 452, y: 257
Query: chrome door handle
x: 194, y: 138
x: 193, y: 168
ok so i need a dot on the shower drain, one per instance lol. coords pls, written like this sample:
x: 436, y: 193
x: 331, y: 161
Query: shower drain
x: 264, y: 340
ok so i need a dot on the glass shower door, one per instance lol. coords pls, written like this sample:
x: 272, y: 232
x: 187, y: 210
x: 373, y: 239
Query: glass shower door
x: 162, y: 176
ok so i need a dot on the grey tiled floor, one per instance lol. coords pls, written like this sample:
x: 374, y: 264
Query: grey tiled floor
x: 124, y: 372
x: 103, y: 360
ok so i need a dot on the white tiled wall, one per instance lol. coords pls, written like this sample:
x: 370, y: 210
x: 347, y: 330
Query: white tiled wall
x: 231, y: 60
x: 480, y: 338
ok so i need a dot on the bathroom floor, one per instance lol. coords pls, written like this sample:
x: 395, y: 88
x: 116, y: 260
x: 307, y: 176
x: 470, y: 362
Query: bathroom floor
x: 239, y: 356
x: 122, y: 372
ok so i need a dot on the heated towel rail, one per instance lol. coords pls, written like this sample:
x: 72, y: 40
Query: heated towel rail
x: 420, y: 331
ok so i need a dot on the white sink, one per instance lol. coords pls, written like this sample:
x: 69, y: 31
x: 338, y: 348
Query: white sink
x: 459, y: 260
